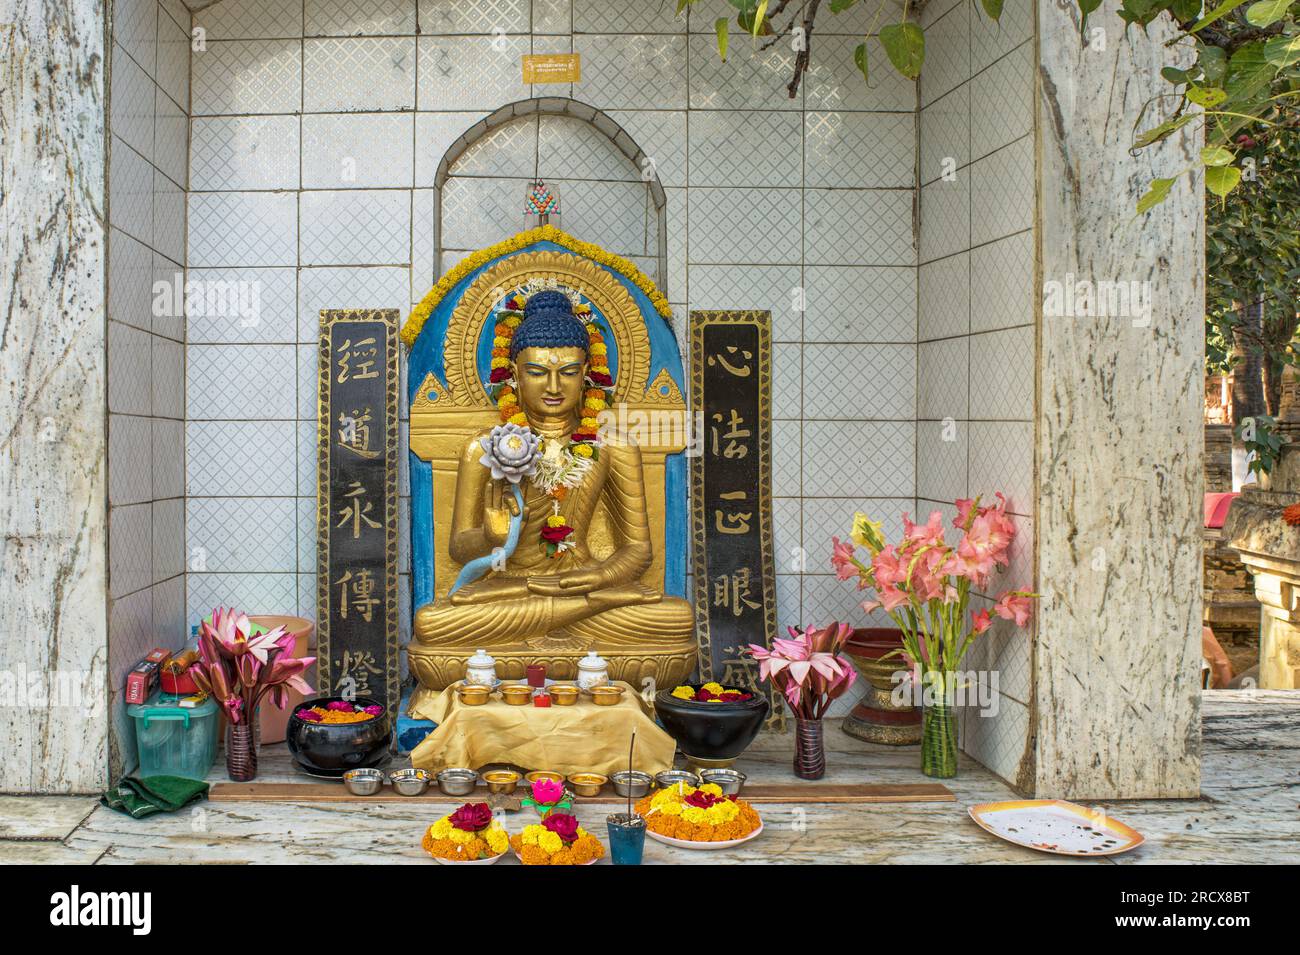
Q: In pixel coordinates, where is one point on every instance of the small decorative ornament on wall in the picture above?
(731, 482)
(357, 504)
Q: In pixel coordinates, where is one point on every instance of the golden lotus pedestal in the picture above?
(436, 669)
(878, 718)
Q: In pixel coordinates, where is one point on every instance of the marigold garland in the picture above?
(700, 814)
(420, 314)
(583, 445)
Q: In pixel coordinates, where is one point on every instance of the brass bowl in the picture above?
(544, 774)
(517, 694)
(587, 784)
(607, 695)
(563, 694)
(473, 695)
(501, 781)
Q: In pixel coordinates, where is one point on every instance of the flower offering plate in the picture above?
(694, 844)
(1056, 826)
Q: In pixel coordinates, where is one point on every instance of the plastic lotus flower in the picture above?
(807, 668)
(925, 584)
(511, 451)
(239, 664)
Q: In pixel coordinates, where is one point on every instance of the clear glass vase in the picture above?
(939, 740)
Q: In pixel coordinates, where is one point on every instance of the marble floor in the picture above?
(1249, 812)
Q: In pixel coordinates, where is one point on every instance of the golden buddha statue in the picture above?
(547, 598)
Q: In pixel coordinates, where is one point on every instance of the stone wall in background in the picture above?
(53, 737)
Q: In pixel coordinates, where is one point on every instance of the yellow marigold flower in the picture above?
(589, 423)
(513, 321)
(519, 419)
(550, 841)
(499, 342)
(684, 693)
(713, 789)
(500, 362)
(530, 834)
(497, 840)
(712, 687)
(599, 349)
(583, 450)
(555, 520)
(459, 835)
(597, 404)
(440, 828)
(694, 815)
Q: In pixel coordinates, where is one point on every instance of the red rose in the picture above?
(703, 696)
(472, 817)
(553, 535)
(563, 825)
(600, 378)
(498, 375)
(702, 800)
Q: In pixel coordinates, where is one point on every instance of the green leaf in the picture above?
(1213, 62)
(1166, 129)
(1174, 75)
(1216, 156)
(1282, 51)
(992, 7)
(1266, 12)
(1222, 10)
(839, 6)
(860, 61)
(1208, 98)
(1156, 194)
(759, 17)
(720, 28)
(1085, 8)
(1221, 180)
(681, 5)
(904, 44)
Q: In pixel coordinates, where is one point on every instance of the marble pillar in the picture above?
(1116, 692)
(52, 402)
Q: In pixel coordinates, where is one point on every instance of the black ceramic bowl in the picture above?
(711, 732)
(331, 749)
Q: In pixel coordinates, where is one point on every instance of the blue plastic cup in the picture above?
(626, 838)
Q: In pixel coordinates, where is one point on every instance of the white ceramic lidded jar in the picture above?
(481, 669)
(593, 671)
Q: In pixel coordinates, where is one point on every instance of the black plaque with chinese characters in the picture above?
(731, 473)
(356, 498)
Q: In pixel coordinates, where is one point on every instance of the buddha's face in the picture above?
(549, 381)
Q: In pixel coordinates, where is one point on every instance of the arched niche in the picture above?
(478, 185)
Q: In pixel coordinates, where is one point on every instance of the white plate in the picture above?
(1056, 826)
(492, 860)
(692, 844)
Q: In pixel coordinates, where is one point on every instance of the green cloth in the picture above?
(143, 797)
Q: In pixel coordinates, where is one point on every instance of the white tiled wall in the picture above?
(148, 163)
(975, 332)
(316, 145)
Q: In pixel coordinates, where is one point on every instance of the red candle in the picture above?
(537, 675)
(542, 699)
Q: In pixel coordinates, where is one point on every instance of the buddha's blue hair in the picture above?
(549, 322)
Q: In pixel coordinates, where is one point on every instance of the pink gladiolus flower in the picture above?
(964, 507)
(927, 534)
(891, 598)
(842, 559)
(980, 620)
(889, 567)
(1014, 605)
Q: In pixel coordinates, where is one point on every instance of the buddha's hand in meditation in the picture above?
(571, 583)
(499, 505)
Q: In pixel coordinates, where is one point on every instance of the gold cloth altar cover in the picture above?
(583, 737)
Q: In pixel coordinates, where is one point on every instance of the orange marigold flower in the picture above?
(1291, 515)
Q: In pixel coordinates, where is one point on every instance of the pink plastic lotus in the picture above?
(807, 668)
(239, 667)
